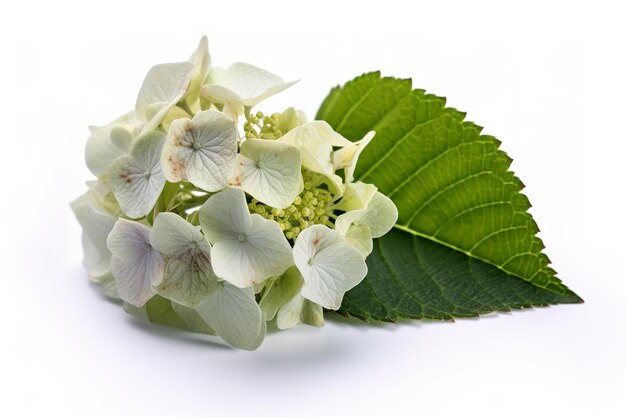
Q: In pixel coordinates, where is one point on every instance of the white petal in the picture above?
(246, 249)
(101, 149)
(225, 215)
(242, 83)
(328, 264)
(202, 150)
(188, 278)
(299, 310)
(348, 156)
(269, 171)
(97, 223)
(137, 179)
(234, 314)
(164, 84)
(135, 264)
(174, 236)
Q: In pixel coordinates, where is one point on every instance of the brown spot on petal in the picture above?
(176, 164)
(125, 176)
(236, 181)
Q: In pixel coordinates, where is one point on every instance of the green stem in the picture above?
(185, 106)
(195, 201)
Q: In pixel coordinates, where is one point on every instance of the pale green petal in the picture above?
(233, 111)
(108, 286)
(372, 209)
(347, 157)
(135, 264)
(299, 310)
(188, 278)
(137, 179)
(260, 337)
(243, 84)
(290, 119)
(315, 140)
(154, 110)
(202, 150)
(380, 216)
(102, 277)
(318, 138)
(135, 311)
(100, 189)
(97, 223)
(344, 221)
(97, 260)
(159, 310)
(122, 138)
(279, 292)
(165, 85)
(234, 314)
(173, 114)
(269, 171)
(246, 249)
(101, 150)
(360, 237)
(357, 195)
(192, 319)
(173, 236)
(314, 135)
(329, 265)
(202, 62)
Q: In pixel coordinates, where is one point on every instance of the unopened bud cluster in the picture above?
(260, 126)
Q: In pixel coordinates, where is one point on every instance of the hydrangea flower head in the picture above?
(228, 225)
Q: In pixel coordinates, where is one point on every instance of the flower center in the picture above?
(242, 237)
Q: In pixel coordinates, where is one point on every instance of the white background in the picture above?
(545, 78)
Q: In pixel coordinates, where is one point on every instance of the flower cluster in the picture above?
(233, 228)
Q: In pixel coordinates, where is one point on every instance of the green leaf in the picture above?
(453, 189)
(413, 277)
